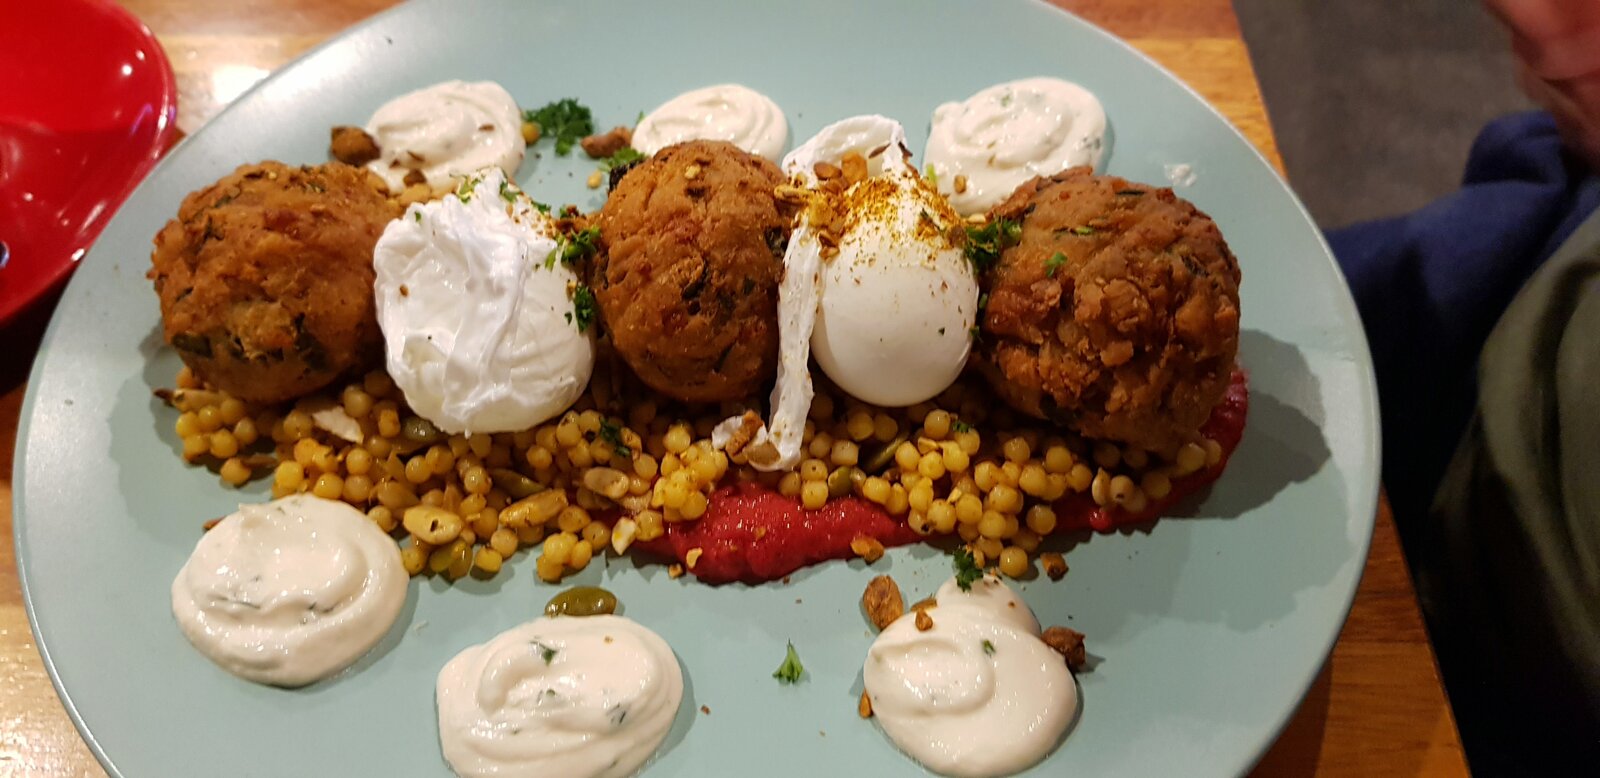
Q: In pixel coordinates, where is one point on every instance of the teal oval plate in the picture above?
(1208, 626)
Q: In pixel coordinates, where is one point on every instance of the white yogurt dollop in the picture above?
(1009, 133)
(478, 323)
(578, 697)
(737, 114)
(291, 591)
(979, 694)
(447, 132)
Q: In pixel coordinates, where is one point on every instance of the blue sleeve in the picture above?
(1430, 286)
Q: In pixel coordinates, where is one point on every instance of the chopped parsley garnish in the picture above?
(612, 433)
(985, 243)
(624, 157)
(574, 248)
(1054, 263)
(967, 569)
(544, 209)
(464, 191)
(932, 175)
(546, 653)
(975, 333)
(1083, 230)
(789, 672)
(417, 215)
(960, 426)
(567, 121)
(584, 307)
(507, 193)
(988, 648)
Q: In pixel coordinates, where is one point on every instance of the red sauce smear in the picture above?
(753, 534)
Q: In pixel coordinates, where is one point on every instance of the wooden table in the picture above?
(1377, 707)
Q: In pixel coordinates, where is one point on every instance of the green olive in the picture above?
(582, 601)
(419, 430)
(880, 457)
(514, 484)
(841, 481)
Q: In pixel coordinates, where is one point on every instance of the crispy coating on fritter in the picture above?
(1115, 314)
(265, 277)
(692, 244)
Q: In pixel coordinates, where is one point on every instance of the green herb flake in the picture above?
(967, 569)
(507, 192)
(584, 307)
(988, 648)
(960, 426)
(612, 433)
(1054, 263)
(574, 248)
(625, 156)
(975, 333)
(984, 244)
(1083, 230)
(566, 121)
(417, 215)
(546, 653)
(789, 672)
(932, 175)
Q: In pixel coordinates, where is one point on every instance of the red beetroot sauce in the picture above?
(752, 534)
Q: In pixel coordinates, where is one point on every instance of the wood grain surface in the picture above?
(1376, 709)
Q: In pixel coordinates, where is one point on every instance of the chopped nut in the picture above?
(675, 571)
(594, 180)
(977, 218)
(867, 548)
(353, 146)
(826, 171)
(1068, 643)
(530, 133)
(706, 709)
(206, 527)
(749, 425)
(883, 602)
(926, 603)
(924, 621)
(855, 168)
(692, 171)
(865, 708)
(1054, 565)
(693, 556)
(961, 184)
(602, 145)
(414, 177)
(789, 194)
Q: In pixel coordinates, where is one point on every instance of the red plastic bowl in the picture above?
(88, 108)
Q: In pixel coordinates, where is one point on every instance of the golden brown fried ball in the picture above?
(265, 277)
(1116, 313)
(686, 278)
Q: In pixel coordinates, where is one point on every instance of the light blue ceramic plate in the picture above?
(1209, 626)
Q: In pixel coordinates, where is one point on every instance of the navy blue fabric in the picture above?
(1431, 285)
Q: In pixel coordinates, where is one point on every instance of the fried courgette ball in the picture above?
(265, 278)
(686, 277)
(1115, 312)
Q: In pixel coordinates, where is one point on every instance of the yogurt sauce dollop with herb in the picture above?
(737, 114)
(977, 694)
(291, 591)
(446, 132)
(1006, 134)
(578, 697)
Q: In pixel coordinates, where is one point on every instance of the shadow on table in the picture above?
(21, 338)
(1299, 746)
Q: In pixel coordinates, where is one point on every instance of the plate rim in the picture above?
(1368, 498)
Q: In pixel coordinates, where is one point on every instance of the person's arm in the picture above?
(1557, 46)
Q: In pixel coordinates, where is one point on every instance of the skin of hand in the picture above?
(1557, 47)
